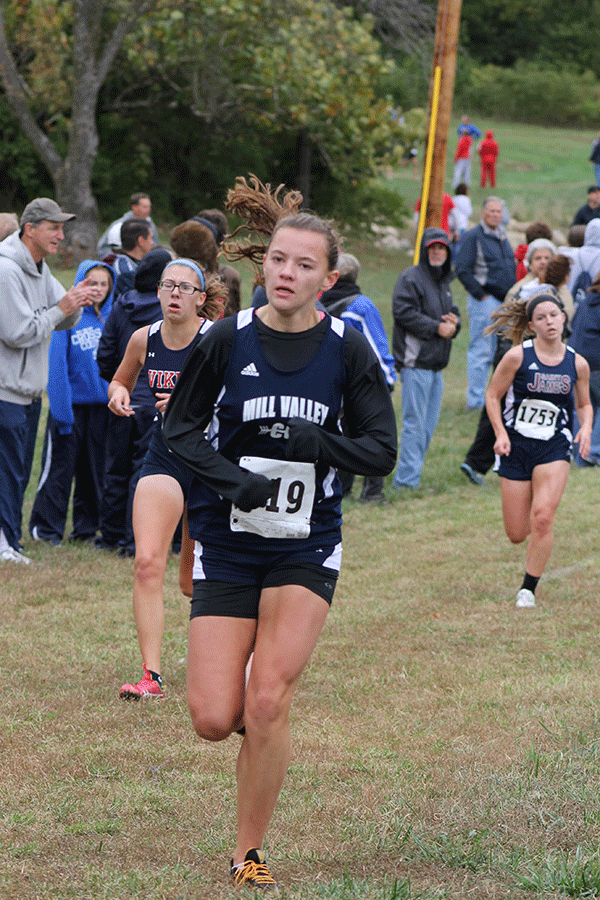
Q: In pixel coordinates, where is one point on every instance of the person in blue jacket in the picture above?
(346, 301)
(74, 442)
(585, 340)
(467, 127)
(486, 268)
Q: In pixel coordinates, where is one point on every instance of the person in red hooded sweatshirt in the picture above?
(462, 160)
(488, 151)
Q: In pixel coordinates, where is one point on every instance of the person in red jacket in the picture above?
(462, 161)
(488, 151)
(447, 205)
(532, 232)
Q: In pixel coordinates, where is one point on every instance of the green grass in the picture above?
(445, 746)
(542, 173)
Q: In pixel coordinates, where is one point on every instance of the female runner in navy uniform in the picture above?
(270, 384)
(161, 350)
(540, 377)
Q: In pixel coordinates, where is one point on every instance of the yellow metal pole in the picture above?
(435, 99)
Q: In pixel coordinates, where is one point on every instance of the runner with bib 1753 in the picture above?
(541, 378)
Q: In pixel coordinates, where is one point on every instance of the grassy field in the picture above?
(444, 743)
(542, 173)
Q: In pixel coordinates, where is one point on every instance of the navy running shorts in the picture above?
(160, 461)
(527, 453)
(230, 584)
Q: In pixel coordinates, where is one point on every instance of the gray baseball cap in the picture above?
(43, 209)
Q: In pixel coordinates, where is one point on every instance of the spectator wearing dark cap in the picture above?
(591, 209)
(425, 322)
(32, 305)
(127, 437)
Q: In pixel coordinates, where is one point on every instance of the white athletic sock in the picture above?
(4, 545)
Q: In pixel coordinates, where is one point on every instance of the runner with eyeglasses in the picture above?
(189, 306)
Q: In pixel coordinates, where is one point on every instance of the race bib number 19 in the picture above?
(287, 513)
(537, 419)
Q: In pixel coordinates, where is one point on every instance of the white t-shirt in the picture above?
(462, 212)
(113, 235)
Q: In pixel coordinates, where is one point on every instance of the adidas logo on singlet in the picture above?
(250, 370)
(534, 365)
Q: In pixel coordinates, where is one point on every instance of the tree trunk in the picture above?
(92, 59)
(304, 157)
(73, 181)
(74, 195)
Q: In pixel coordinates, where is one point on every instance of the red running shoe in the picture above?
(147, 687)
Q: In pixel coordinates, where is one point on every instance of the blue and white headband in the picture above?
(191, 265)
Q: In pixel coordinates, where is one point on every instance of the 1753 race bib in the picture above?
(536, 419)
(287, 513)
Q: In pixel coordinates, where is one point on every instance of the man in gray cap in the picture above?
(32, 304)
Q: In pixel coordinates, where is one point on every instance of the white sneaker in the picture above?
(10, 555)
(525, 599)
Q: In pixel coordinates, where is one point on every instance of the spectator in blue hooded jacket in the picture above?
(127, 439)
(74, 443)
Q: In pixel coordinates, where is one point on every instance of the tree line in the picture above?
(102, 97)
(182, 95)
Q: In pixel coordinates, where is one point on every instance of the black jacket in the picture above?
(585, 330)
(585, 214)
(418, 304)
(131, 311)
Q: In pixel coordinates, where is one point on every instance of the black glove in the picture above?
(303, 442)
(256, 491)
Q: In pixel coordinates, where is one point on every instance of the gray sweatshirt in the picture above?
(29, 313)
